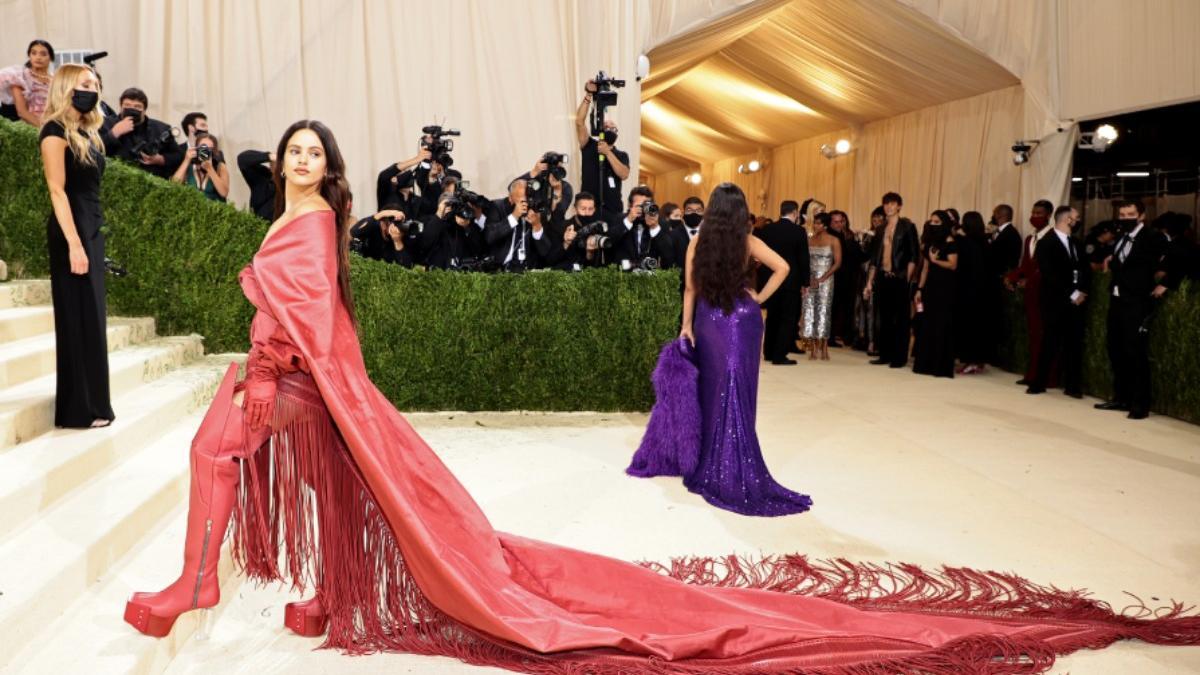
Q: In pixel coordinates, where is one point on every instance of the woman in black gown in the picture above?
(934, 351)
(73, 160)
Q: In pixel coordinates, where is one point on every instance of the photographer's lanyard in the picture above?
(518, 246)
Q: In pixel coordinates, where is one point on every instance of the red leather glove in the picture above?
(259, 404)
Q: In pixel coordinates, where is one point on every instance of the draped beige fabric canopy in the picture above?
(785, 70)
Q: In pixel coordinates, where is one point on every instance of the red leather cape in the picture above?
(495, 598)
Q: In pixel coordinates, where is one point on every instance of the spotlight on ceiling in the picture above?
(692, 178)
(1098, 140)
(753, 166)
(842, 146)
(1021, 151)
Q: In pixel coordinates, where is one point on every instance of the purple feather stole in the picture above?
(671, 444)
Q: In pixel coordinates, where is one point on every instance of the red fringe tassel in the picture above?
(304, 492)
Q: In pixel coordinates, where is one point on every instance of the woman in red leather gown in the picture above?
(315, 461)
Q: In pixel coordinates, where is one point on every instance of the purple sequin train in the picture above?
(702, 426)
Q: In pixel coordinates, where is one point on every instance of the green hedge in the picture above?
(445, 341)
(432, 341)
(1174, 348)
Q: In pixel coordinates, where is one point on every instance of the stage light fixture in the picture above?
(1098, 140)
(842, 146)
(753, 166)
(828, 151)
(1022, 149)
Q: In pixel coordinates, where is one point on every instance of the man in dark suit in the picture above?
(1065, 277)
(517, 241)
(647, 238)
(1003, 255)
(1027, 276)
(1134, 265)
(787, 238)
(681, 237)
(893, 263)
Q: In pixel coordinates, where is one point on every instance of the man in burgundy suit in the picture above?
(1028, 278)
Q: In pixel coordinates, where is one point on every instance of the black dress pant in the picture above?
(783, 315)
(1129, 352)
(1062, 343)
(80, 335)
(891, 295)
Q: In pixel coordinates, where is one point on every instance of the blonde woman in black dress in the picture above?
(73, 161)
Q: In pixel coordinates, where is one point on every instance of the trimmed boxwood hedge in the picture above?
(432, 340)
(447, 341)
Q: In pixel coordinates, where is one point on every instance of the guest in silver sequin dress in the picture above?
(825, 254)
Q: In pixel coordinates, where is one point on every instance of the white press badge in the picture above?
(612, 182)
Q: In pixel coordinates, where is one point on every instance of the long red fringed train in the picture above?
(302, 495)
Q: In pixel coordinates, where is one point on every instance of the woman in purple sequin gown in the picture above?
(702, 426)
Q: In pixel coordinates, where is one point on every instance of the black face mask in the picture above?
(692, 220)
(610, 137)
(85, 101)
(1126, 225)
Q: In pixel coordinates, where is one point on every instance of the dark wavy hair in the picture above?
(721, 267)
(335, 189)
(38, 43)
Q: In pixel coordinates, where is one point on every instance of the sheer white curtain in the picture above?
(507, 74)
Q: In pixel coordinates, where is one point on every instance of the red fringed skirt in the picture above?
(305, 514)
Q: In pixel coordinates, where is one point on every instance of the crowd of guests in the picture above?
(935, 295)
(894, 291)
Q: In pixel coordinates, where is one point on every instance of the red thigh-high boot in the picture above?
(217, 447)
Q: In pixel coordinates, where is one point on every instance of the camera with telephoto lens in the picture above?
(597, 229)
(404, 224)
(439, 146)
(646, 265)
(153, 145)
(464, 202)
(203, 154)
(605, 96)
(539, 192)
(649, 208)
(484, 264)
(555, 165)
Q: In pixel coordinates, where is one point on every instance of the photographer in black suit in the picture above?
(787, 238)
(585, 241)
(517, 240)
(255, 166)
(1135, 264)
(140, 140)
(633, 240)
(1065, 280)
(646, 244)
(370, 237)
(397, 182)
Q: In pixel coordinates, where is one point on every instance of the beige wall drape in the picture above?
(509, 75)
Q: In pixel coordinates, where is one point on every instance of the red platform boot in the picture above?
(307, 617)
(218, 445)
